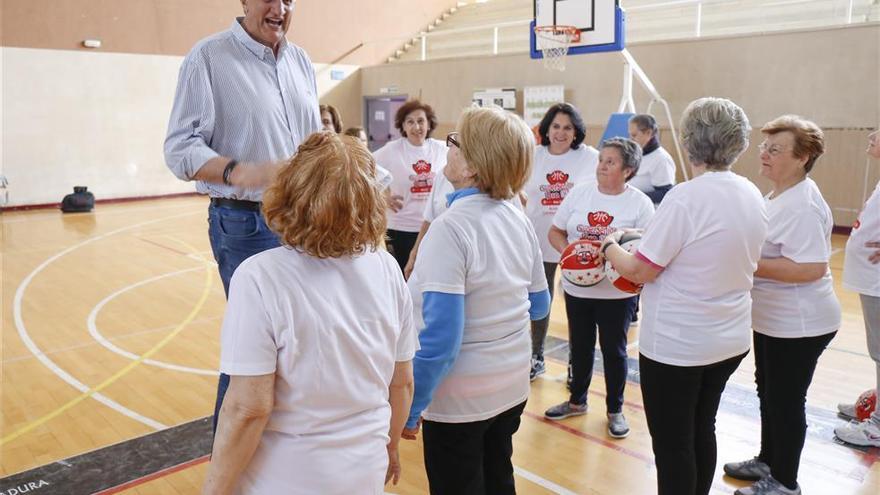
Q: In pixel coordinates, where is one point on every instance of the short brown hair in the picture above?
(325, 201)
(410, 107)
(809, 140)
(499, 147)
(334, 115)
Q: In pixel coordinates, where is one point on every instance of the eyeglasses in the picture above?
(771, 150)
(452, 140)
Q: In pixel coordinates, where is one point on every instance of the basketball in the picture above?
(582, 264)
(630, 242)
(866, 404)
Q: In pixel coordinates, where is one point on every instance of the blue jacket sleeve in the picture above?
(540, 304)
(659, 191)
(440, 343)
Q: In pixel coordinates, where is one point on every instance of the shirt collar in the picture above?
(461, 193)
(257, 48)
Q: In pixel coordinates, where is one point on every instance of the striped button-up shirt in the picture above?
(236, 99)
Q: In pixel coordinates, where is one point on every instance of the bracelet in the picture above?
(228, 171)
(605, 247)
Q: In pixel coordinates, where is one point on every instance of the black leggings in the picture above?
(680, 406)
(401, 244)
(472, 458)
(539, 327)
(783, 371)
(612, 317)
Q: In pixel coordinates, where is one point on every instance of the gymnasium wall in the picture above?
(77, 116)
(831, 76)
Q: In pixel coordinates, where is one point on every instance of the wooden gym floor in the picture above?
(110, 327)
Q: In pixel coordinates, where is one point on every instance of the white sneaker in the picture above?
(864, 434)
(847, 410)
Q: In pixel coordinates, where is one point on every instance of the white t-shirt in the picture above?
(553, 176)
(383, 176)
(413, 170)
(707, 234)
(859, 274)
(487, 250)
(656, 169)
(800, 230)
(437, 200)
(331, 331)
(586, 213)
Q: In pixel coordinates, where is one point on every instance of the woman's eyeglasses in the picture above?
(452, 140)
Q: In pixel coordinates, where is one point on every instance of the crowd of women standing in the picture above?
(334, 357)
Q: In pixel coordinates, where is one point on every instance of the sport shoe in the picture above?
(538, 367)
(565, 410)
(865, 434)
(753, 469)
(847, 410)
(768, 486)
(617, 425)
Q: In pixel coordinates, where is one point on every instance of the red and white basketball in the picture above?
(582, 264)
(629, 242)
(866, 404)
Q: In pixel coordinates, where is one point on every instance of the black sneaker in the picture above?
(538, 367)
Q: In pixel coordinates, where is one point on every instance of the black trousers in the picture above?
(401, 243)
(539, 327)
(472, 458)
(783, 372)
(680, 406)
(612, 318)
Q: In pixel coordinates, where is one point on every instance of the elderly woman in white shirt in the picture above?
(657, 172)
(861, 274)
(697, 259)
(795, 312)
(477, 282)
(318, 338)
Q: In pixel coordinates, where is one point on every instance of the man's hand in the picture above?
(255, 176)
(393, 473)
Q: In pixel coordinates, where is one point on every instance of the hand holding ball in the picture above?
(629, 241)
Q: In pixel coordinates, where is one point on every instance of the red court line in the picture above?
(163, 246)
(157, 474)
(586, 436)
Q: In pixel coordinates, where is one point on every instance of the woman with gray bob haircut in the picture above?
(697, 260)
(630, 153)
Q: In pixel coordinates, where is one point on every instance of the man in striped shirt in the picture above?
(246, 98)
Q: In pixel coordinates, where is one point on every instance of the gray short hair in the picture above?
(645, 122)
(715, 131)
(630, 152)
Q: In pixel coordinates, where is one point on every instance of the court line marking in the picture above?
(543, 483)
(96, 334)
(54, 368)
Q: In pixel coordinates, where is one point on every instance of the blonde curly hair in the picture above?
(326, 201)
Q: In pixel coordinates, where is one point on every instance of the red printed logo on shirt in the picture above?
(423, 179)
(598, 226)
(556, 188)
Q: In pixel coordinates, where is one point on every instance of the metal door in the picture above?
(380, 111)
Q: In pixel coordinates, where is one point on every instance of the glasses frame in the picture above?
(452, 141)
(772, 150)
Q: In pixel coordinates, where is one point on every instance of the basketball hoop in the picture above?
(554, 42)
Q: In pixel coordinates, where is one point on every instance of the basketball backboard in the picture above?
(600, 22)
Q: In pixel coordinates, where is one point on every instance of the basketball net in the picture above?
(554, 42)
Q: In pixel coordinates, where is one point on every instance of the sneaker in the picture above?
(617, 425)
(565, 410)
(538, 367)
(753, 469)
(846, 410)
(768, 486)
(864, 434)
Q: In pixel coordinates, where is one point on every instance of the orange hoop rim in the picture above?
(573, 32)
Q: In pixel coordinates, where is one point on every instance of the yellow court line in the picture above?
(132, 365)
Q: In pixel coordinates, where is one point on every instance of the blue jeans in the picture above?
(235, 236)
